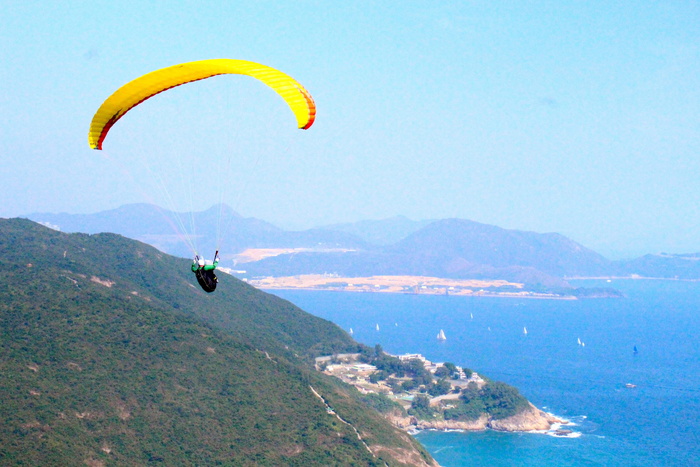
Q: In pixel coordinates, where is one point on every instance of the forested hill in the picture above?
(110, 354)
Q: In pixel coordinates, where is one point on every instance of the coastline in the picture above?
(413, 285)
(532, 420)
(489, 295)
(631, 277)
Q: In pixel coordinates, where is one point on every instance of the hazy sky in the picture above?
(577, 117)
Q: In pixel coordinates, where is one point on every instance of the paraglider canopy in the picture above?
(134, 92)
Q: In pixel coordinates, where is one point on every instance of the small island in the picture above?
(416, 394)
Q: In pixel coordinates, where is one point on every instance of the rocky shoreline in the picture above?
(530, 420)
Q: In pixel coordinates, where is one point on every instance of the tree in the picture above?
(394, 384)
(416, 366)
(420, 402)
(470, 392)
(420, 407)
(439, 388)
(408, 385)
(442, 372)
(502, 400)
(365, 354)
(471, 410)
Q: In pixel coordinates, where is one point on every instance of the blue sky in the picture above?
(574, 117)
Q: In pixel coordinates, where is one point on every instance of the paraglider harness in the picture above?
(205, 272)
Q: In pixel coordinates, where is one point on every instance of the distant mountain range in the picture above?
(380, 232)
(163, 229)
(450, 248)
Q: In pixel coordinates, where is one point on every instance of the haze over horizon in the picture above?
(578, 119)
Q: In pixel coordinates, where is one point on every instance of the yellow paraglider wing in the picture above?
(148, 85)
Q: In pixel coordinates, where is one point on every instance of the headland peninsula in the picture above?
(414, 394)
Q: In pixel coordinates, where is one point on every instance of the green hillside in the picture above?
(111, 355)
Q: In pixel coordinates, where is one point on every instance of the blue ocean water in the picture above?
(655, 423)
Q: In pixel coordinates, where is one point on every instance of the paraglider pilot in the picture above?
(204, 271)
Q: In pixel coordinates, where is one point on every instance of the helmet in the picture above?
(201, 261)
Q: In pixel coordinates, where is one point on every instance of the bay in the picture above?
(654, 423)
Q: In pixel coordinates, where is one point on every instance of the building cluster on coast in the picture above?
(349, 369)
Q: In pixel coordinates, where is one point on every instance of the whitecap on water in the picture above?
(564, 434)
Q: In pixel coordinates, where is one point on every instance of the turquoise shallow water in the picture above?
(655, 423)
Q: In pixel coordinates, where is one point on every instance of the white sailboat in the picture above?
(377, 326)
(441, 335)
(524, 330)
(579, 341)
(351, 333)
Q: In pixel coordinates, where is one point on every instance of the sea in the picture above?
(576, 361)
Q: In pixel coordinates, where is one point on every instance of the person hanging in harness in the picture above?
(204, 271)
